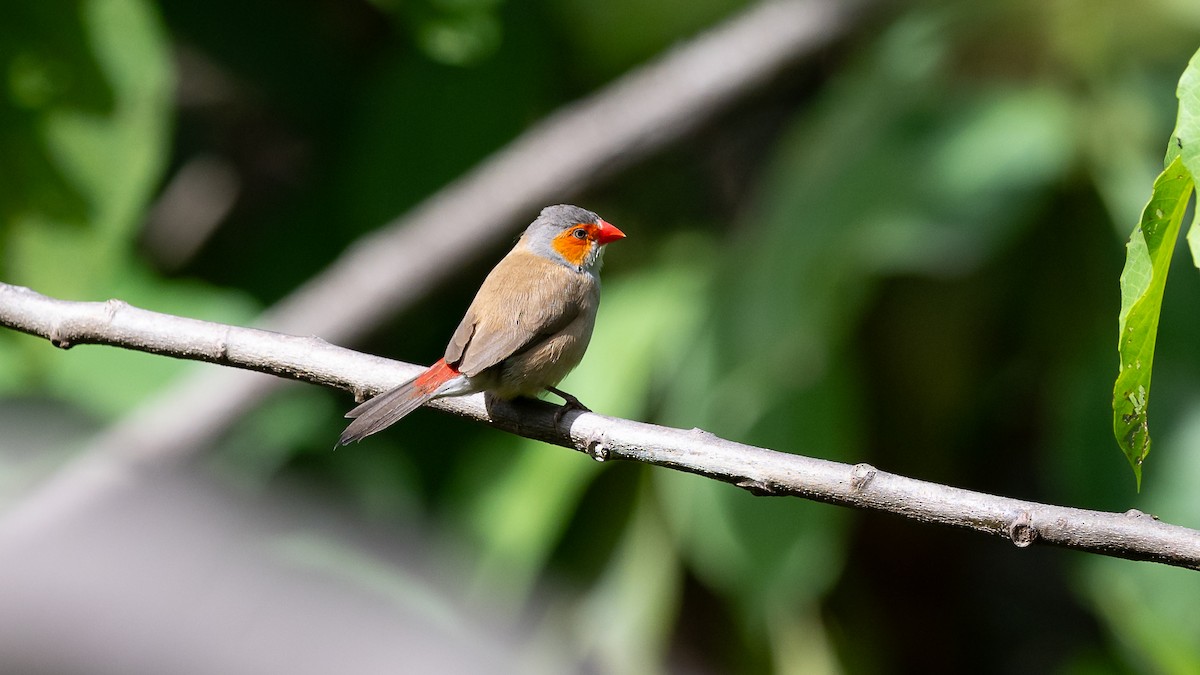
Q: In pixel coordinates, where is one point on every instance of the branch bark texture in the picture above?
(1131, 535)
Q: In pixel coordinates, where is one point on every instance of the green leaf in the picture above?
(1148, 258)
(1144, 278)
(1185, 140)
(1193, 238)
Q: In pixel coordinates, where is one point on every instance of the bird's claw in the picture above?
(572, 403)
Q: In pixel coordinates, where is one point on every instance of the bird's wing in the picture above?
(523, 300)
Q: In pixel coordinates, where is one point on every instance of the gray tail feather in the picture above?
(383, 411)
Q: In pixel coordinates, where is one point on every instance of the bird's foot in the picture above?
(572, 403)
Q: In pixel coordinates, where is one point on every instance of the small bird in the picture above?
(527, 327)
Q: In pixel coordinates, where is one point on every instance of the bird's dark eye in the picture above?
(579, 233)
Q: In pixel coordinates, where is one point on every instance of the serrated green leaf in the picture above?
(1147, 261)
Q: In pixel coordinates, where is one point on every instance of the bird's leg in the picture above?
(572, 404)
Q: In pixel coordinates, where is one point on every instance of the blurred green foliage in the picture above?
(86, 121)
(904, 252)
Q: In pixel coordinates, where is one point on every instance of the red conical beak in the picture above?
(607, 233)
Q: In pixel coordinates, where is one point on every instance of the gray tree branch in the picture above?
(1132, 535)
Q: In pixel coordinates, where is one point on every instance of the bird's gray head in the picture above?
(571, 236)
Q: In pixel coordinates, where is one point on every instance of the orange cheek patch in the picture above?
(572, 249)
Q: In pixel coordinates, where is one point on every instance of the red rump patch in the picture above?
(438, 374)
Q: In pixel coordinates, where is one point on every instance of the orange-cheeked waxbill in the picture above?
(527, 327)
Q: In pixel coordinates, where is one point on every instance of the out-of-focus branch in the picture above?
(390, 269)
(1132, 535)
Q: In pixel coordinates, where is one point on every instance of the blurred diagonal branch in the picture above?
(1132, 535)
(384, 272)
